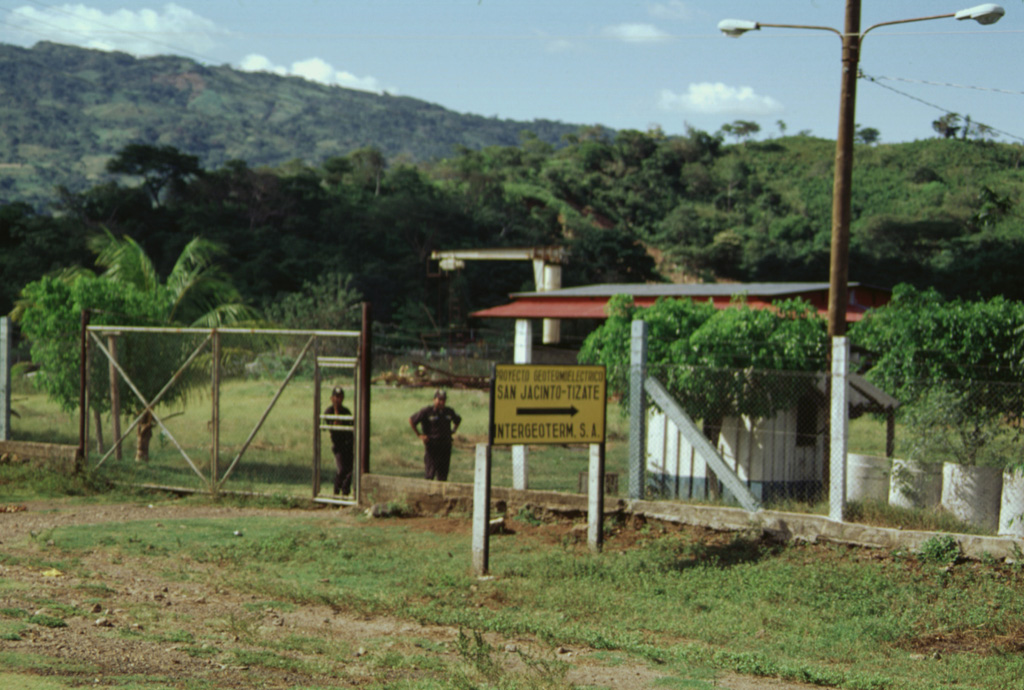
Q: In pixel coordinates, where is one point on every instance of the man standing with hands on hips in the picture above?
(437, 423)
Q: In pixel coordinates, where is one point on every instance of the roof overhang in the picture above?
(590, 302)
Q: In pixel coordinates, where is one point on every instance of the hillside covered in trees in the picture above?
(66, 111)
(630, 206)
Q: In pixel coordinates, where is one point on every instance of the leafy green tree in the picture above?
(328, 303)
(129, 292)
(33, 244)
(201, 294)
(955, 365)
(716, 363)
(368, 165)
(947, 126)
(867, 135)
(741, 130)
(605, 256)
(50, 311)
(920, 337)
(162, 168)
(959, 421)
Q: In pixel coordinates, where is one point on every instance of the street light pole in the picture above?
(842, 186)
(852, 36)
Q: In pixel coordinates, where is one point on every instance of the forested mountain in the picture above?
(67, 110)
(630, 206)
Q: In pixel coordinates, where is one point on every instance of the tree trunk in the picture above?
(144, 434)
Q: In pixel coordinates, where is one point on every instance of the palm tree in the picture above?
(203, 296)
(199, 293)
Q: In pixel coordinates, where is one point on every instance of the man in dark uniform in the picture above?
(342, 442)
(437, 423)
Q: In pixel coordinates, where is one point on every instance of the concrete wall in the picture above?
(442, 498)
(50, 455)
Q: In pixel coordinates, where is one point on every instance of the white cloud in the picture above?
(172, 29)
(674, 9)
(636, 33)
(258, 63)
(314, 69)
(718, 99)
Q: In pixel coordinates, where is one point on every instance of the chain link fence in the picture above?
(946, 445)
(954, 446)
(769, 427)
(959, 446)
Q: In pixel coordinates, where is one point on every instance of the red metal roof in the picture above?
(589, 302)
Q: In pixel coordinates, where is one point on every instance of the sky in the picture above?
(618, 63)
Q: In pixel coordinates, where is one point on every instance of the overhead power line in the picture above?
(877, 81)
(953, 86)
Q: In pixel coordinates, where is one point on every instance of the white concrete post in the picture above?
(839, 427)
(552, 281)
(482, 509)
(5, 379)
(595, 498)
(523, 354)
(637, 407)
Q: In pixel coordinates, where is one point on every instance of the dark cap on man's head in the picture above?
(440, 394)
(338, 391)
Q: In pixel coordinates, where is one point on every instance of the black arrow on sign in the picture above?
(571, 411)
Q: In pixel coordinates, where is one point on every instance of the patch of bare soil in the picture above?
(142, 623)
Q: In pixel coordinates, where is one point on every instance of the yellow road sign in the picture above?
(547, 404)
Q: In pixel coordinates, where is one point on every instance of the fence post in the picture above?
(5, 379)
(365, 373)
(215, 413)
(115, 395)
(637, 407)
(482, 509)
(522, 354)
(83, 383)
(595, 498)
(840, 419)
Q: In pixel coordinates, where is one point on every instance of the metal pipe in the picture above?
(83, 383)
(115, 396)
(215, 412)
(365, 372)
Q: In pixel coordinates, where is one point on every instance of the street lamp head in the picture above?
(734, 28)
(989, 13)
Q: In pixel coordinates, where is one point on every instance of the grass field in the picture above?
(681, 605)
(685, 605)
(279, 459)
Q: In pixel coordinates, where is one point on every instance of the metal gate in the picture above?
(256, 437)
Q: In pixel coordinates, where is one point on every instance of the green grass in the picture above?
(826, 615)
(924, 519)
(279, 460)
